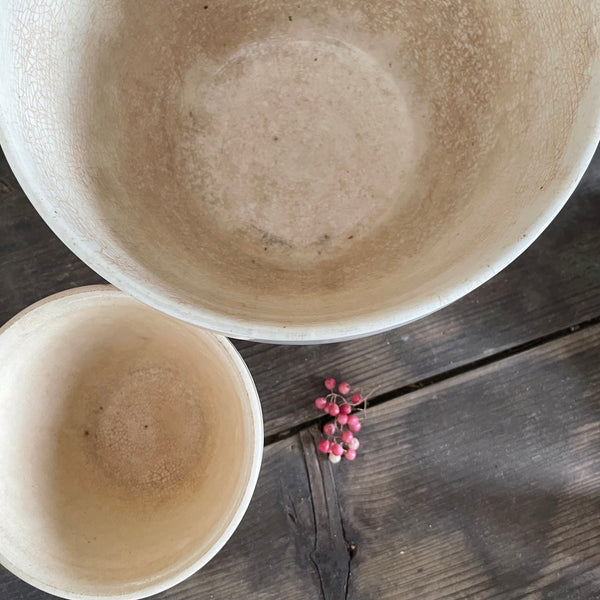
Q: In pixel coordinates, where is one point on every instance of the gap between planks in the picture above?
(445, 375)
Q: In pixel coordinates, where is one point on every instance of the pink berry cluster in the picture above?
(339, 434)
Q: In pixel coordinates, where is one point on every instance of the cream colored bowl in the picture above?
(130, 444)
(299, 171)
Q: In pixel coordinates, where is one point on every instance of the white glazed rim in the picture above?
(102, 291)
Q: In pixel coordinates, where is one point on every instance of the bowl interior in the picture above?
(129, 443)
(331, 166)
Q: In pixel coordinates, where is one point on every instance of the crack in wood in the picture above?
(445, 375)
(332, 554)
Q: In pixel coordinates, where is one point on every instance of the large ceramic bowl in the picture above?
(299, 171)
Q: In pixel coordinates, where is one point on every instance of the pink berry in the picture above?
(345, 409)
(354, 423)
(347, 436)
(350, 454)
(337, 449)
(353, 419)
(334, 409)
(344, 388)
(329, 429)
(334, 459)
(353, 444)
(325, 446)
(320, 403)
(330, 384)
(342, 418)
(356, 398)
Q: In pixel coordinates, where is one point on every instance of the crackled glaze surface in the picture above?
(303, 171)
(131, 443)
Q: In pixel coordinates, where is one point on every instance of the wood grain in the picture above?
(332, 553)
(483, 486)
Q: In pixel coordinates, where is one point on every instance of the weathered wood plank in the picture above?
(483, 486)
(332, 553)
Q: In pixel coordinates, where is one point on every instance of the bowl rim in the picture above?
(99, 292)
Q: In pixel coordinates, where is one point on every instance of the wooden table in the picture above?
(479, 470)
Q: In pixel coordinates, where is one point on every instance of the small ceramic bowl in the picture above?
(301, 171)
(130, 446)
